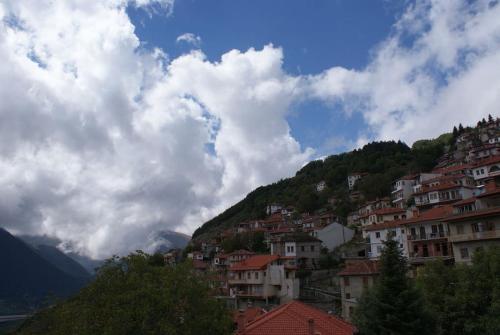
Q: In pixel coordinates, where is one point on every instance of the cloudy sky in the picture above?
(121, 118)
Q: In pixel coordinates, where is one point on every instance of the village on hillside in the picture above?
(327, 261)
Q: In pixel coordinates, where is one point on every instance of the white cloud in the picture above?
(102, 143)
(438, 68)
(189, 38)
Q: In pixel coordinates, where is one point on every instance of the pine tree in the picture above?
(455, 132)
(490, 118)
(460, 128)
(394, 306)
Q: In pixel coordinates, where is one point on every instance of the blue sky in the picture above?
(314, 35)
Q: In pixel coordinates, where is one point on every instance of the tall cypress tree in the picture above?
(394, 306)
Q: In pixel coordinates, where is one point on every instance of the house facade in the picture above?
(357, 276)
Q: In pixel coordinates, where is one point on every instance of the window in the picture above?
(464, 253)
(379, 249)
(312, 247)
(286, 274)
(377, 234)
(348, 295)
(256, 275)
(249, 275)
(346, 281)
(302, 248)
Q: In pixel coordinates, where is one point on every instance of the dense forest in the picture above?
(383, 161)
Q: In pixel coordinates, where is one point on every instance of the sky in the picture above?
(122, 118)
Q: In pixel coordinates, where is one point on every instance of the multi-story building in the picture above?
(473, 230)
(487, 168)
(333, 235)
(302, 248)
(375, 235)
(263, 278)
(402, 190)
(427, 236)
(357, 276)
(443, 190)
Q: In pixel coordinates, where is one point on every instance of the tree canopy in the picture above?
(136, 294)
(465, 299)
(394, 306)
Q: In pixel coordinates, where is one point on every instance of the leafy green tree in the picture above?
(394, 306)
(465, 298)
(136, 294)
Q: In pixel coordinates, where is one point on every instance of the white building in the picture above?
(334, 235)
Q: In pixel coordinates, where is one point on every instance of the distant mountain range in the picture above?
(33, 274)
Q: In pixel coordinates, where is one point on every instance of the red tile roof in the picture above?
(293, 319)
(360, 267)
(453, 168)
(465, 202)
(488, 161)
(256, 262)
(388, 210)
(494, 211)
(384, 225)
(433, 214)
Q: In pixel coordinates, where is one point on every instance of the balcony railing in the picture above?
(430, 236)
(483, 235)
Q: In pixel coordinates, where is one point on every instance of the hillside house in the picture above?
(302, 248)
(238, 256)
(357, 276)
(376, 234)
(473, 230)
(353, 178)
(263, 278)
(427, 236)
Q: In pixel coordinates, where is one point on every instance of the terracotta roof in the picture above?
(452, 168)
(388, 210)
(293, 319)
(256, 262)
(360, 267)
(433, 214)
(488, 161)
(465, 202)
(384, 225)
(494, 211)
(441, 187)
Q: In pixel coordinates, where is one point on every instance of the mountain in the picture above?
(72, 263)
(62, 261)
(166, 239)
(25, 273)
(383, 162)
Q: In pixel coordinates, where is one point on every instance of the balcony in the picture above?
(478, 236)
(431, 236)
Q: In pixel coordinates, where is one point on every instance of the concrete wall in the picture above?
(335, 235)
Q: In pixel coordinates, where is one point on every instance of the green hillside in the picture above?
(383, 161)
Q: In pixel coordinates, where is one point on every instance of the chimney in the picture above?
(241, 322)
(310, 323)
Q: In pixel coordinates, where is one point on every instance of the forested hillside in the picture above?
(383, 161)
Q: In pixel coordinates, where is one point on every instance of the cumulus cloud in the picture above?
(189, 38)
(435, 70)
(104, 143)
